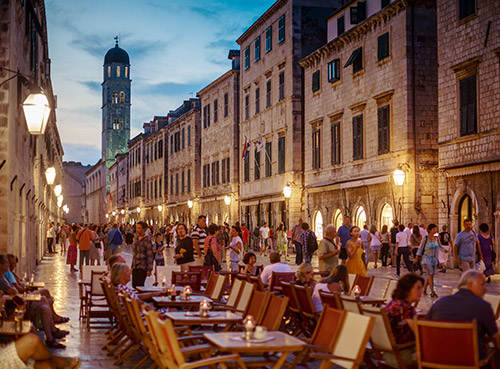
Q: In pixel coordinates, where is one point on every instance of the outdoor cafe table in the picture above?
(371, 300)
(8, 328)
(279, 343)
(143, 289)
(193, 302)
(30, 297)
(214, 318)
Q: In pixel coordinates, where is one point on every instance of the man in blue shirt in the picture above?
(344, 234)
(114, 241)
(466, 244)
(468, 305)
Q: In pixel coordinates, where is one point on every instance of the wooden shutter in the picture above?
(471, 105)
(357, 136)
(383, 129)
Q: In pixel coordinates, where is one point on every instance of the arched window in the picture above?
(109, 71)
(115, 97)
(318, 225)
(122, 97)
(360, 217)
(118, 71)
(465, 211)
(337, 219)
(386, 216)
(126, 72)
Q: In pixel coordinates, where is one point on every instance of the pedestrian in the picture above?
(51, 235)
(95, 245)
(84, 238)
(142, 256)
(158, 247)
(466, 244)
(72, 256)
(113, 242)
(354, 247)
(384, 251)
(328, 250)
(272, 239)
(236, 249)
(364, 236)
(428, 251)
(212, 248)
(344, 233)
(184, 252)
(281, 240)
(296, 233)
(414, 244)
(375, 243)
(309, 242)
(264, 238)
(445, 240)
(394, 231)
(198, 235)
(245, 236)
(402, 249)
(63, 236)
(487, 243)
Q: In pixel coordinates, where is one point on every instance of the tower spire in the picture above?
(116, 40)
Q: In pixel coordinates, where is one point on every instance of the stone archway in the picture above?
(455, 207)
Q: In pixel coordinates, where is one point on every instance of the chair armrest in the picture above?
(330, 356)
(319, 349)
(192, 350)
(402, 346)
(190, 338)
(210, 361)
(489, 355)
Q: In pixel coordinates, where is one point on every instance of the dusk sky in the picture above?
(176, 48)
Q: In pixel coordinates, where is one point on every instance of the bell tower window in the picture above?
(122, 97)
(109, 71)
(118, 71)
(117, 123)
(126, 72)
(115, 97)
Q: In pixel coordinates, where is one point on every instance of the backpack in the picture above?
(117, 238)
(256, 232)
(312, 244)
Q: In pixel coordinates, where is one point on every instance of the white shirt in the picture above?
(264, 231)
(364, 235)
(409, 232)
(233, 256)
(402, 239)
(375, 239)
(265, 276)
(316, 298)
(423, 232)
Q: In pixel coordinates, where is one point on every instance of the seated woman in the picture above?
(401, 313)
(250, 268)
(336, 282)
(120, 276)
(304, 276)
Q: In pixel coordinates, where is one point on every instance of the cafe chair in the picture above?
(382, 285)
(192, 279)
(173, 356)
(259, 285)
(390, 289)
(277, 278)
(324, 336)
(85, 275)
(114, 330)
(218, 289)
(331, 299)
(96, 304)
(350, 345)
(205, 270)
(119, 339)
(86, 271)
(165, 272)
(212, 280)
(384, 347)
(352, 281)
(307, 309)
(494, 301)
(273, 315)
(241, 277)
(364, 283)
(350, 303)
(448, 345)
(257, 305)
(295, 324)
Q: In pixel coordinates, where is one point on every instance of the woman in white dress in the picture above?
(236, 248)
(375, 243)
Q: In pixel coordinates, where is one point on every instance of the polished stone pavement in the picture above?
(86, 345)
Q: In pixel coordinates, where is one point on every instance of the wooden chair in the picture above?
(241, 268)
(307, 309)
(352, 280)
(257, 305)
(350, 344)
(384, 284)
(192, 279)
(350, 303)
(219, 285)
(241, 277)
(173, 356)
(277, 278)
(97, 306)
(205, 271)
(296, 327)
(165, 272)
(86, 271)
(273, 315)
(257, 282)
(331, 299)
(382, 338)
(365, 284)
(212, 280)
(390, 289)
(448, 345)
(244, 297)
(494, 300)
(85, 275)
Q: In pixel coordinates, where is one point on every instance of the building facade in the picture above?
(220, 157)
(469, 113)
(371, 109)
(73, 183)
(97, 199)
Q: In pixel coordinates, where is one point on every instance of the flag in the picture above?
(260, 144)
(244, 154)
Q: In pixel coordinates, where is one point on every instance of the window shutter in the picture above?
(463, 107)
(357, 137)
(383, 129)
(471, 106)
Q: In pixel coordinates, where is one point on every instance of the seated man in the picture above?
(120, 276)
(114, 259)
(41, 308)
(467, 305)
(276, 266)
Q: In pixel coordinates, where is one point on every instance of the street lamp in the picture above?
(122, 211)
(50, 175)
(227, 200)
(287, 191)
(399, 177)
(113, 213)
(58, 190)
(107, 216)
(160, 208)
(138, 209)
(190, 204)
(60, 199)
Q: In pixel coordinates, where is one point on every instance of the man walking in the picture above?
(114, 240)
(84, 237)
(344, 236)
(142, 257)
(466, 244)
(51, 235)
(328, 251)
(264, 238)
(364, 235)
(296, 233)
(198, 235)
(394, 232)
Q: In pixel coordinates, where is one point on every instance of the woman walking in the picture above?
(354, 247)
(487, 243)
(446, 241)
(72, 249)
(236, 248)
(384, 251)
(375, 243)
(95, 245)
(415, 241)
(281, 239)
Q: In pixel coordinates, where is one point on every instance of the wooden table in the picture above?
(282, 343)
(143, 289)
(193, 302)
(371, 300)
(30, 297)
(189, 318)
(9, 328)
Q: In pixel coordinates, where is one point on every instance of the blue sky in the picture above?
(176, 48)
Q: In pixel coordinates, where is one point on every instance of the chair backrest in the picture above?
(257, 281)
(244, 297)
(390, 289)
(241, 268)
(293, 303)
(204, 269)
(352, 280)
(161, 340)
(350, 303)
(365, 284)
(446, 344)
(328, 327)
(218, 289)
(165, 272)
(382, 284)
(212, 280)
(273, 315)
(331, 299)
(304, 298)
(278, 277)
(235, 293)
(257, 305)
(86, 271)
(352, 340)
(241, 277)
(192, 279)
(494, 300)
(95, 284)
(453, 290)
(381, 337)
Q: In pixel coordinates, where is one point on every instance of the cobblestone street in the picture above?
(87, 345)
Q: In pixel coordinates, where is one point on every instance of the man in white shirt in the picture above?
(402, 248)
(409, 230)
(276, 266)
(364, 235)
(264, 238)
(423, 231)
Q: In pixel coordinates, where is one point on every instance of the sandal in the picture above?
(62, 319)
(71, 363)
(54, 345)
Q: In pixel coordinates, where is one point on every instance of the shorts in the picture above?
(375, 248)
(11, 360)
(429, 269)
(343, 253)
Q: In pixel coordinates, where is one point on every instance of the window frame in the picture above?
(334, 68)
(269, 39)
(257, 49)
(247, 57)
(256, 169)
(385, 40)
(281, 29)
(226, 105)
(357, 137)
(384, 124)
(336, 143)
(281, 154)
(257, 100)
(281, 86)
(316, 81)
(316, 148)
(467, 107)
(216, 110)
(269, 157)
(341, 25)
(268, 93)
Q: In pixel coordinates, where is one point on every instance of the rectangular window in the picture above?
(182, 182)
(213, 174)
(256, 172)
(334, 70)
(204, 176)
(204, 117)
(282, 85)
(281, 29)
(246, 168)
(171, 184)
(147, 191)
(189, 180)
(268, 94)
(358, 12)
(468, 106)
(226, 105)
(216, 110)
(156, 150)
(183, 139)
(257, 49)
(228, 172)
(269, 39)
(156, 189)
(340, 25)
(159, 187)
(247, 57)
(356, 59)
(189, 135)
(385, 3)
(247, 107)
(466, 8)
(357, 137)
(223, 179)
(160, 148)
(217, 171)
(315, 81)
(383, 46)
(257, 100)
(208, 115)
(316, 149)
(172, 144)
(176, 183)
(281, 155)
(335, 133)
(269, 153)
(383, 129)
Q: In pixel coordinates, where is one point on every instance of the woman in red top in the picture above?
(211, 242)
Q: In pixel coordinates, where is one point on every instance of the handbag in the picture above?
(210, 259)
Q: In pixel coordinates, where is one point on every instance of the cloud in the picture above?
(87, 154)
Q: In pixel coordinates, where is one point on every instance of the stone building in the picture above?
(370, 109)
(97, 199)
(27, 201)
(118, 175)
(73, 183)
(469, 113)
(220, 157)
(271, 100)
(135, 178)
(183, 134)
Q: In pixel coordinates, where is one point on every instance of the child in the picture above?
(158, 248)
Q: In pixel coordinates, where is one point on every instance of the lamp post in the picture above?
(58, 190)
(227, 201)
(287, 192)
(190, 206)
(399, 180)
(50, 175)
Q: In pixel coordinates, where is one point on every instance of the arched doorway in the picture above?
(465, 211)
(318, 225)
(337, 219)
(360, 217)
(386, 216)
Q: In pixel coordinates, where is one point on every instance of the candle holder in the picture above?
(249, 325)
(204, 308)
(18, 318)
(187, 292)
(356, 291)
